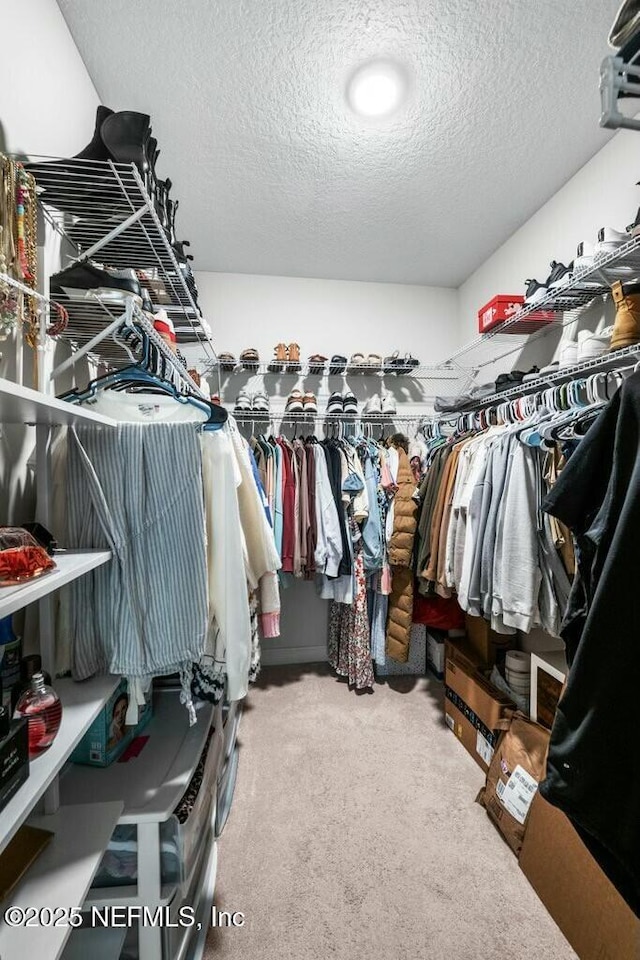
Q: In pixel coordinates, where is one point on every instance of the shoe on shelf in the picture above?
(389, 404)
(535, 292)
(126, 136)
(626, 328)
(260, 402)
(309, 403)
(626, 24)
(335, 404)
(294, 402)
(567, 354)
(610, 240)
(388, 364)
(227, 361)
(293, 355)
(560, 275)
(374, 361)
(372, 406)
(549, 369)
(593, 345)
(244, 403)
(88, 279)
(532, 374)
(250, 357)
(337, 364)
(357, 361)
(316, 363)
(350, 403)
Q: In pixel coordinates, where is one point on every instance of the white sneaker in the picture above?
(244, 402)
(568, 354)
(372, 405)
(610, 240)
(389, 404)
(593, 345)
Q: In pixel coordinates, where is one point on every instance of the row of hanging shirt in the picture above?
(172, 491)
(341, 508)
(482, 534)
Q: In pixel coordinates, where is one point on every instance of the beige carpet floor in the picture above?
(354, 834)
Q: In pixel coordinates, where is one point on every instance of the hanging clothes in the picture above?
(593, 773)
(145, 613)
(405, 508)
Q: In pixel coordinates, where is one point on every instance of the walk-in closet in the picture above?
(319, 480)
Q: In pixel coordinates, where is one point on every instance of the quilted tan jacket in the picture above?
(400, 615)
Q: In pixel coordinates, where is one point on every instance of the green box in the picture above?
(108, 737)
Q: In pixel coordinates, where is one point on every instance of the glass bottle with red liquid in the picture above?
(41, 705)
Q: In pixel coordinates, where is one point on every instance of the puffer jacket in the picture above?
(400, 559)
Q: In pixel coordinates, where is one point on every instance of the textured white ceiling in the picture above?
(276, 176)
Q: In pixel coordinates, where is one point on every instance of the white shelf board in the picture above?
(20, 404)
(70, 565)
(553, 661)
(151, 784)
(81, 703)
(98, 943)
(60, 877)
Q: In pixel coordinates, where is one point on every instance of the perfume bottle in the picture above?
(41, 706)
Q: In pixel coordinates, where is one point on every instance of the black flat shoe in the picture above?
(87, 278)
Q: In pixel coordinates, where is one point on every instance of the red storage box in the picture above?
(501, 308)
(505, 307)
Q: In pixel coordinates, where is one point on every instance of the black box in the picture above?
(14, 760)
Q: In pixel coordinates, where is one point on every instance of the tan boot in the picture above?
(626, 329)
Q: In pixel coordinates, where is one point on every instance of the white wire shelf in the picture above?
(607, 362)
(105, 211)
(620, 78)
(524, 327)
(307, 369)
(20, 404)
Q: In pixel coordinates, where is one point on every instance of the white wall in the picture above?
(47, 106)
(602, 193)
(325, 316)
(47, 99)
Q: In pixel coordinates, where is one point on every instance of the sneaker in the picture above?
(389, 404)
(626, 23)
(593, 345)
(243, 402)
(294, 402)
(560, 275)
(335, 405)
(584, 256)
(260, 403)
(535, 291)
(568, 354)
(309, 403)
(549, 369)
(610, 240)
(372, 406)
(350, 403)
(89, 279)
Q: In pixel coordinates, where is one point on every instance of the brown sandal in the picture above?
(280, 353)
(294, 353)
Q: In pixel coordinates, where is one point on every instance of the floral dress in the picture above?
(349, 646)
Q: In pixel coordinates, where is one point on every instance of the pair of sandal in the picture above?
(251, 403)
(248, 358)
(283, 353)
(373, 360)
(299, 402)
(397, 364)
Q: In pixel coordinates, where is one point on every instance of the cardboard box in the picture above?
(474, 709)
(107, 737)
(581, 899)
(14, 760)
(485, 641)
(460, 651)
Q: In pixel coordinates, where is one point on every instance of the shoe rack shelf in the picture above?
(620, 77)
(105, 212)
(608, 362)
(559, 305)
(306, 369)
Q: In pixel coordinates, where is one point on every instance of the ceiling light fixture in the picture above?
(376, 89)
